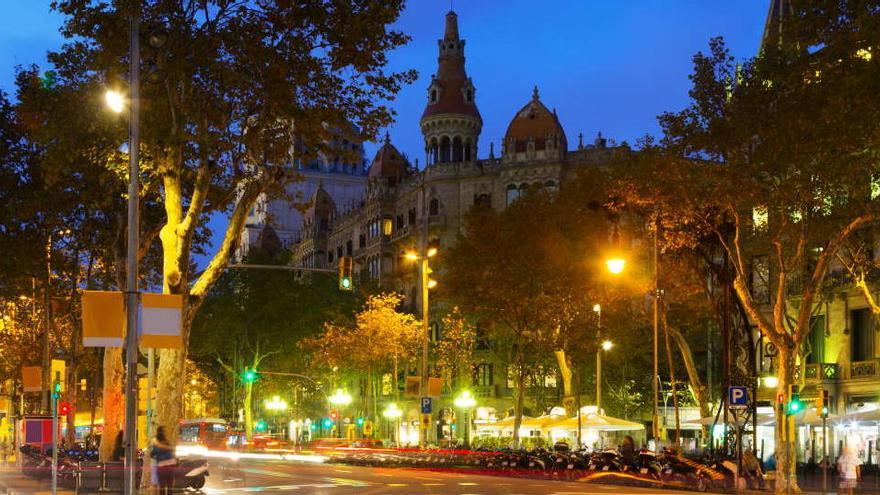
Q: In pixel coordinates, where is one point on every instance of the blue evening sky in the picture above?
(609, 66)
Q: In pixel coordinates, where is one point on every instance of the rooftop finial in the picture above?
(492, 149)
(387, 138)
(580, 140)
(535, 92)
(451, 32)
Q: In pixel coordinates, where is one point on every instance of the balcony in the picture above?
(863, 369)
(822, 371)
(484, 391)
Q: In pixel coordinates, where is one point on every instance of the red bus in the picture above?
(207, 433)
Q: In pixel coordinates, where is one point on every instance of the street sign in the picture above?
(737, 397)
(426, 405)
(426, 421)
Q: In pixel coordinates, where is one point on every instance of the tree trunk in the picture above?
(248, 410)
(786, 433)
(698, 389)
(566, 373)
(672, 381)
(170, 377)
(113, 400)
(518, 404)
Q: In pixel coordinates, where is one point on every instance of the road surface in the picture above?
(249, 476)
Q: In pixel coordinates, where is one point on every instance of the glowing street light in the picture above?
(115, 101)
(771, 381)
(392, 411)
(615, 265)
(466, 401)
(607, 345)
(340, 398)
(275, 404)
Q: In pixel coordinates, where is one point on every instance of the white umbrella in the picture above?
(871, 415)
(763, 419)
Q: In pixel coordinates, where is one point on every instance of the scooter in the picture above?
(191, 473)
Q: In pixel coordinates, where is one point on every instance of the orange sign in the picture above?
(32, 378)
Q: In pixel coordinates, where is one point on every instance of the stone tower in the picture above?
(451, 123)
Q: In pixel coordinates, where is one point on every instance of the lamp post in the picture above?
(393, 413)
(426, 285)
(465, 401)
(276, 405)
(339, 399)
(116, 102)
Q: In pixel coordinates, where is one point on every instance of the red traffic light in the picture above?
(780, 398)
(334, 414)
(63, 408)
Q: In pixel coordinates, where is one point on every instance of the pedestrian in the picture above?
(163, 458)
(628, 451)
(849, 467)
(118, 448)
(752, 469)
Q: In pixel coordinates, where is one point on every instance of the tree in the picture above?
(252, 320)
(380, 338)
(237, 86)
(455, 349)
(522, 274)
(779, 184)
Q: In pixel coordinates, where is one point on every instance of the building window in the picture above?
(399, 221)
(434, 207)
(330, 256)
(362, 241)
(512, 194)
(817, 340)
(412, 216)
(862, 335)
(339, 251)
(349, 249)
(482, 376)
(433, 96)
(387, 226)
(761, 279)
(483, 201)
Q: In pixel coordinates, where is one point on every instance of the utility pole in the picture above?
(655, 418)
(131, 268)
(47, 326)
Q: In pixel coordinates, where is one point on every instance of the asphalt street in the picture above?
(305, 478)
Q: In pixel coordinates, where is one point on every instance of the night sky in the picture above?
(609, 66)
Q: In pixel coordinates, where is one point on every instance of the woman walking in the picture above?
(163, 457)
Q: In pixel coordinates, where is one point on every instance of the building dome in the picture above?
(388, 164)
(534, 123)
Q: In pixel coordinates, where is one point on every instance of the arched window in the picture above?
(433, 96)
(457, 150)
(434, 151)
(445, 150)
(512, 193)
(470, 96)
(467, 151)
(483, 201)
(434, 207)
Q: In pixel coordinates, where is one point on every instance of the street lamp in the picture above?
(339, 399)
(393, 413)
(466, 402)
(615, 265)
(275, 404)
(426, 284)
(115, 101)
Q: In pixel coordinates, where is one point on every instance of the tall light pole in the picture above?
(426, 284)
(465, 401)
(339, 399)
(116, 102)
(655, 380)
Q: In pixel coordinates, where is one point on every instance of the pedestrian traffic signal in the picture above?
(334, 414)
(249, 376)
(794, 400)
(63, 408)
(327, 423)
(260, 426)
(359, 421)
(56, 390)
(345, 268)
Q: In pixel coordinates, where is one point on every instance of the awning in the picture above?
(596, 422)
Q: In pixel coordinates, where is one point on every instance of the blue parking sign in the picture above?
(426, 405)
(737, 396)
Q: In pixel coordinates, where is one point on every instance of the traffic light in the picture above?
(327, 423)
(260, 426)
(359, 421)
(345, 268)
(56, 390)
(249, 376)
(334, 414)
(83, 384)
(63, 408)
(822, 404)
(794, 400)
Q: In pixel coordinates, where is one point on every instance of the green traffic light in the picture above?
(794, 407)
(260, 426)
(250, 376)
(360, 421)
(345, 283)
(328, 422)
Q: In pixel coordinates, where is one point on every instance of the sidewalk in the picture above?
(12, 482)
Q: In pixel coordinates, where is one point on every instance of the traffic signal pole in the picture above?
(54, 402)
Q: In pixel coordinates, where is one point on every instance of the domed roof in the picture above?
(321, 205)
(388, 163)
(534, 121)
